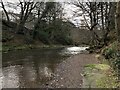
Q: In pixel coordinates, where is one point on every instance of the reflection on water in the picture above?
(47, 72)
(1, 78)
(10, 78)
(73, 50)
(31, 68)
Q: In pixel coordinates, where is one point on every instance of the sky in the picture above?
(67, 0)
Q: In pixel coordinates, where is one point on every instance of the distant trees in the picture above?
(50, 26)
(97, 15)
(107, 18)
(90, 14)
(26, 8)
(46, 19)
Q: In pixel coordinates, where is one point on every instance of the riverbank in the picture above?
(69, 73)
(6, 48)
(83, 71)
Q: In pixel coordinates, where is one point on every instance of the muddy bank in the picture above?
(69, 73)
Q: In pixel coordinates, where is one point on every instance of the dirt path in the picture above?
(68, 73)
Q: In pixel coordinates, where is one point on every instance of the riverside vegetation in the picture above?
(44, 25)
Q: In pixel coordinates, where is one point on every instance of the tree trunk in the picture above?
(6, 13)
(20, 27)
(118, 33)
(112, 15)
(118, 21)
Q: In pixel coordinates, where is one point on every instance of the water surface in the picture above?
(33, 68)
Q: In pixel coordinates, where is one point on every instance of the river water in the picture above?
(33, 68)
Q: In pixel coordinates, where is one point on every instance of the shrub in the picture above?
(63, 39)
(44, 37)
(113, 56)
(117, 63)
(28, 40)
(110, 51)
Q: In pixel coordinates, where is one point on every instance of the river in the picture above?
(33, 68)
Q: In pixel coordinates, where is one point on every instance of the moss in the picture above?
(112, 55)
(6, 48)
(99, 76)
(110, 51)
(109, 81)
(102, 67)
(98, 66)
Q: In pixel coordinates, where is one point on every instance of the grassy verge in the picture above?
(6, 48)
(103, 75)
(99, 76)
(112, 56)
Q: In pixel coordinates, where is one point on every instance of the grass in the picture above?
(99, 76)
(6, 48)
(98, 66)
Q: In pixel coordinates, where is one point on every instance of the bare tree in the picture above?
(101, 16)
(90, 10)
(26, 10)
(5, 11)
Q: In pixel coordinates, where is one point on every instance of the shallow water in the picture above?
(33, 68)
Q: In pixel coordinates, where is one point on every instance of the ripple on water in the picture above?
(73, 50)
(10, 77)
(34, 68)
